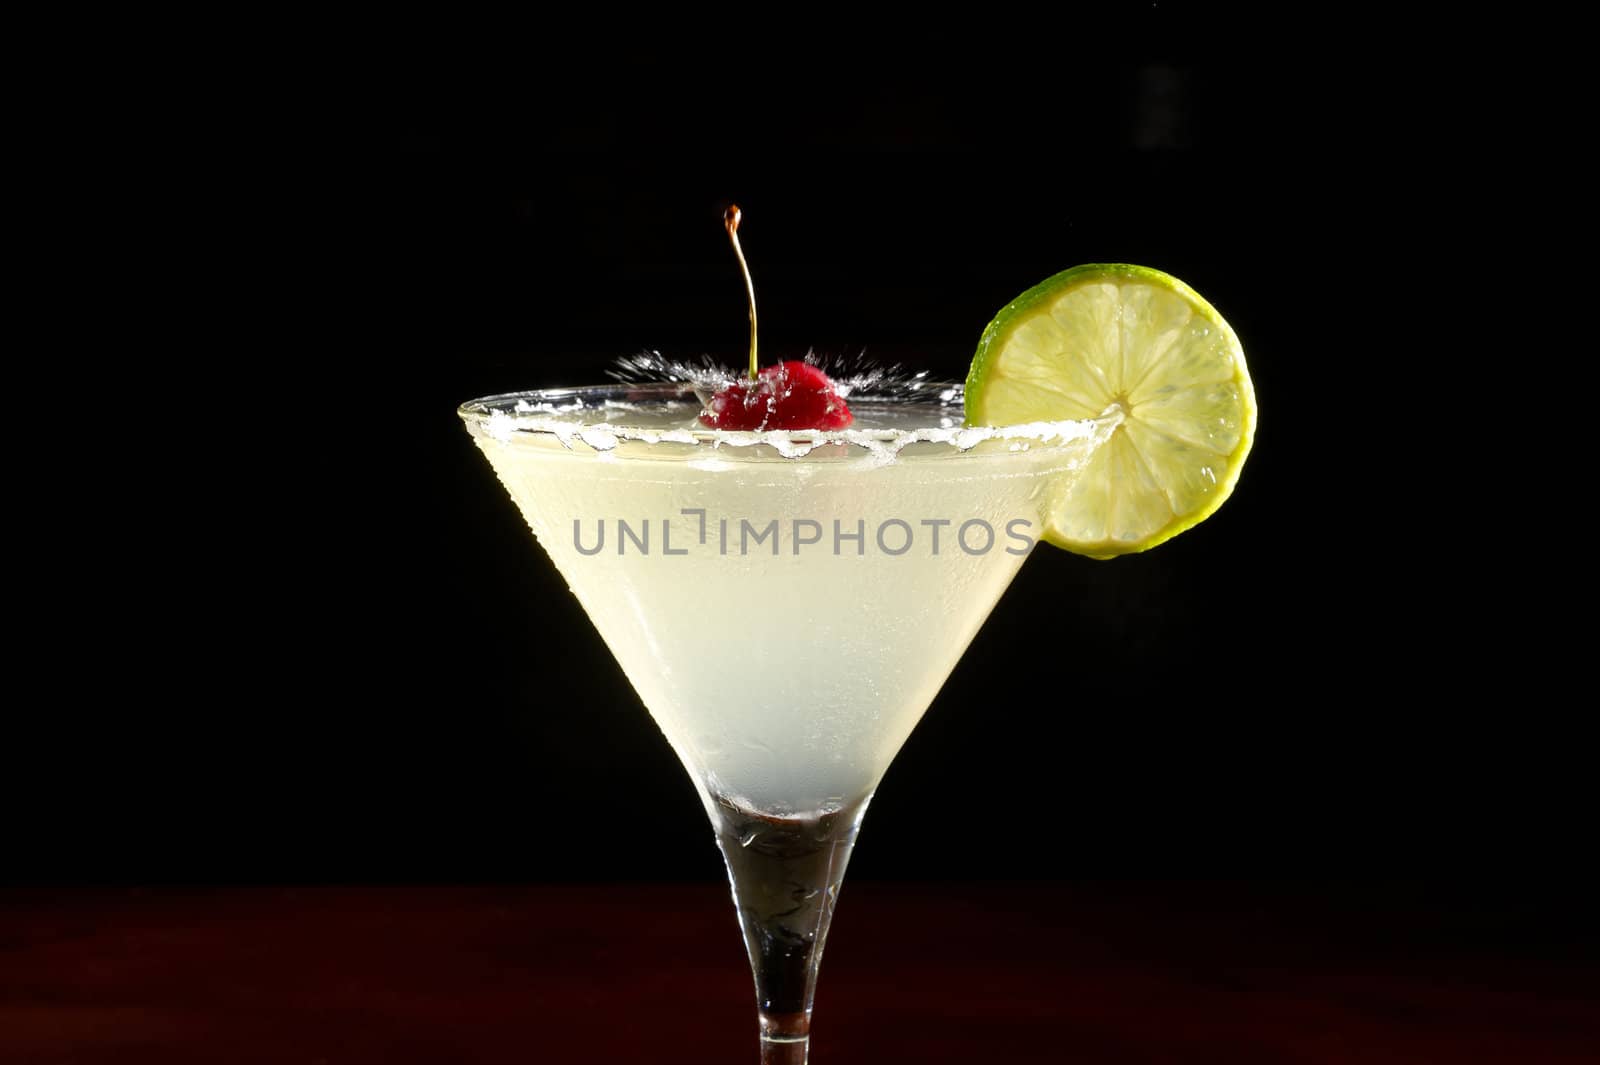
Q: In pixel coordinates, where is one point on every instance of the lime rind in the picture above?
(1101, 336)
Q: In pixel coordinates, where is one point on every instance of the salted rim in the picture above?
(560, 413)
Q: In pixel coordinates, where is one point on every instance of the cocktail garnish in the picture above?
(789, 395)
(1112, 338)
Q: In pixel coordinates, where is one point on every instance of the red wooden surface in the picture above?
(631, 973)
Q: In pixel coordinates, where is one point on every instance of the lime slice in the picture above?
(1099, 339)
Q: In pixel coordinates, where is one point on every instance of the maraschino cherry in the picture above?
(789, 395)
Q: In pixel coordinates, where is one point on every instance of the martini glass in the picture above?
(785, 603)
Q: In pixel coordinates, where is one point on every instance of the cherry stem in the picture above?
(730, 219)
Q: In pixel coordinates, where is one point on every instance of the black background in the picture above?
(335, 652)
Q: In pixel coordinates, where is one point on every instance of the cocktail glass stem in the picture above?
(786, 872)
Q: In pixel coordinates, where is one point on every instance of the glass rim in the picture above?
(485, 412)
(482, 407)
